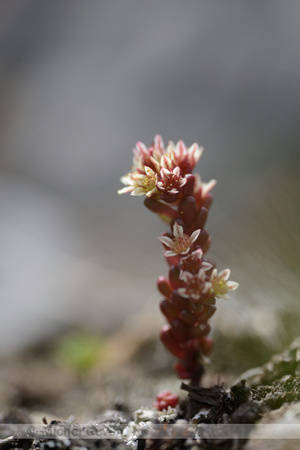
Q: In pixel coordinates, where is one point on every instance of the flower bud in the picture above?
(206, 313)
(168, 310)
(202, 238)
(206, 345)
(187, 210)
(180, 303)
(202, 330)
(170, 342)
(169, 197)
(179, 330)
(201, 218)
(174, 273)
(161, 209)
(205, 299)
(188, 188)
(179, 222)
(188, 317)
(164, 286)
(208, 201)
(206, 246)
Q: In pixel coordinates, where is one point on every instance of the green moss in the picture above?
(79, 351)
(234, 356)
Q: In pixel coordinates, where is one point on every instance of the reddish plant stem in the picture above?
(186, 335)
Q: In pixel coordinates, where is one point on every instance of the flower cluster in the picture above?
(159, 172)
(164, 176)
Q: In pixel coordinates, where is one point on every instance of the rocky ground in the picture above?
(74, 382)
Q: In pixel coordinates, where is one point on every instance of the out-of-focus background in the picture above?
(81, 82)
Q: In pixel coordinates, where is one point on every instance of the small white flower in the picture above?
(143, 156)
(171, 181)
(180, 154)
(202, 187)
(140, 183)
(194, 285)
(168, 165)
(181, 243)
(193, 262)
(220, 284)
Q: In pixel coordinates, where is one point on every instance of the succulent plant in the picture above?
(164, 176)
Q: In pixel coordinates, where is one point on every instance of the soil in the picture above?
(108, 401)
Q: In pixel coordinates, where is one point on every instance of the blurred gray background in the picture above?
(81, 82)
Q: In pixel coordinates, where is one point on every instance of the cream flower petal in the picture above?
(206, 187)
(220, 285)
(177, 231)
(156, 164)
(125, 190)
(206, 265)
(159, 143)
(194, 236)
(138, 192)
(166, 240)
(196, 152)
(225, 274)
(232, 285)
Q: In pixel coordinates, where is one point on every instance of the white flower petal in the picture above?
(225, 274)
(184, 275)
(206, 187)
(153, 191)
(232, 285)
(196, 152)
(166, 240)
(182, 291)
(177, 231)
(207, 287)
(125, 190)
(159, 143)
(164, 172)
(125, 179)
(166, 162)
(169, 253)
(141, 147)
(155, 163)
(176, 171)
(140, 164)
(185, 252)
(206, 265)
(183, 182)
(194, 236)
(138, 192)
(149, 172)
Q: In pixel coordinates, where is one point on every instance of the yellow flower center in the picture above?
(221, 287)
